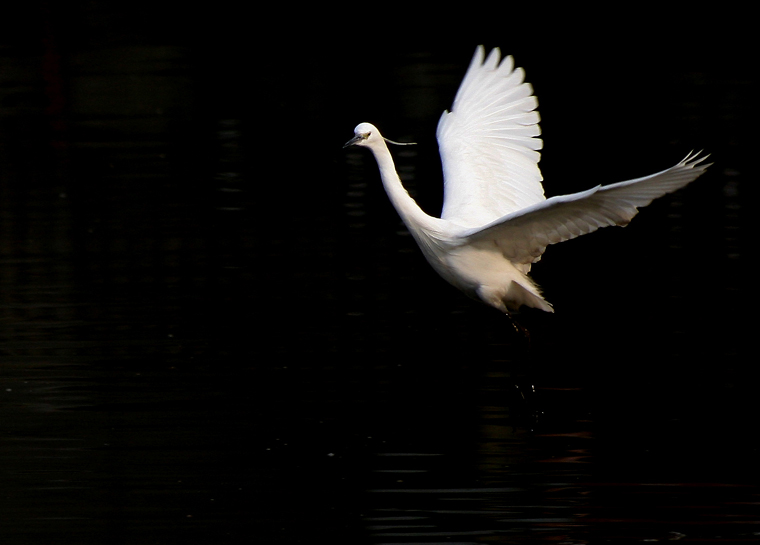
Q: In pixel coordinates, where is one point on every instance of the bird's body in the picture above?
(496, 220)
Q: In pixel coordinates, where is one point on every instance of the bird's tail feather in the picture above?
(527, 294)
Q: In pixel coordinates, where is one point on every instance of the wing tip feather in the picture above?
(695, 160)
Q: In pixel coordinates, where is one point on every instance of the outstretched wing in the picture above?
(488, 144)
(523, 236)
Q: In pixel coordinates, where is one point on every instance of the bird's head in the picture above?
(366, 134)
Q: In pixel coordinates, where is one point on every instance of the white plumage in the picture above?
(488, 144)
(496, 220)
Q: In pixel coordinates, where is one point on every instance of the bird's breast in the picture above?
(469, 267)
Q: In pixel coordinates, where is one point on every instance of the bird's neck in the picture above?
(412, 215)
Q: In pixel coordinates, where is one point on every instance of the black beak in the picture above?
(353, 141)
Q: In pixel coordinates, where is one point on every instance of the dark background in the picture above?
(214, 328)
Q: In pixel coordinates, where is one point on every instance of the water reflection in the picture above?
(553, 483)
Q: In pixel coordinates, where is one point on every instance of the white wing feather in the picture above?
(524, 235)
(488, 144)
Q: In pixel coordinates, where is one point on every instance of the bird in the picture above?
(496, 222)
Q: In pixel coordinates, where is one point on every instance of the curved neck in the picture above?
(404, 204)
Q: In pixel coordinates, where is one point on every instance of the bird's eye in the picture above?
(365, 135)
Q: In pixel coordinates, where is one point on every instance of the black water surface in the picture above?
(215, 329)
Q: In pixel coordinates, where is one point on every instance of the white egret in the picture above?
(496, 221)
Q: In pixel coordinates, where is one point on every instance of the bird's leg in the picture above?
(518, 327)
